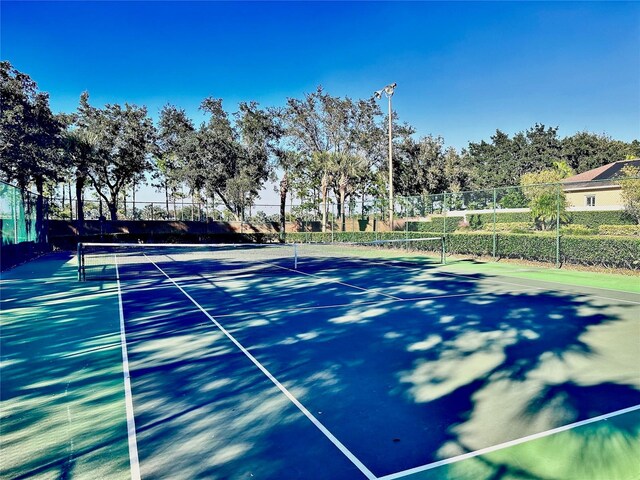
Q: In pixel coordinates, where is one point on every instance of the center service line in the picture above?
(367, 473)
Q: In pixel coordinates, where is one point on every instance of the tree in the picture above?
(227, 161)
(631, 191)
(175, 139)
(547, 201)
(80, 147)
(30, 135)
(426, 167)
(289, 163)
(123, 139)
(505, 160)
(260, 132)
(327, 130)
(346, 170)
(586, 151)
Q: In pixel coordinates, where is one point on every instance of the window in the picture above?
(591, 200)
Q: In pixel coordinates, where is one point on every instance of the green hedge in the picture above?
(577, 229)
(501, 217)
(518, 227)
(620, 252)
(595, 219)
(305, 237)
(436, 225)
(589, 219)
(612, 252)
(619, 230)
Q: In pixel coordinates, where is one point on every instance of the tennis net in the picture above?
(107, 261)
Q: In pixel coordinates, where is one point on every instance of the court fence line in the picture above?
(23, 228)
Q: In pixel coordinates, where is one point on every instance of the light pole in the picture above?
(388, 91)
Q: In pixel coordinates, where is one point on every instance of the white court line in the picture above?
(333, 281)
(493, 277)
(352, 304)
(511, 443)
(131, 424)
(367, 473)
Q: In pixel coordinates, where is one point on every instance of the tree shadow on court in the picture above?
(63, 411)
(404, 365)
(472, 363)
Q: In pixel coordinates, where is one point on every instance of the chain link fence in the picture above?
(23, 233)
(579, 222)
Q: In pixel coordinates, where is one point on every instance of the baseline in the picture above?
(504, 445)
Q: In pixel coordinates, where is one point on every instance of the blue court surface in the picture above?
(370, 368)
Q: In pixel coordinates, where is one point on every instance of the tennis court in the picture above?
(316, 361)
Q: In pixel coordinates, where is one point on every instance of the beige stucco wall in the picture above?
(605, 197)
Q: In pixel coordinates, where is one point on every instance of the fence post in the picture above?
(444, 228)
(14, 214)
(494, 225)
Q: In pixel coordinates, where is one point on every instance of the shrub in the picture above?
(601, 251)
(577, 230)
(595, 219)
(629, 230)
(514, 227)
(436, 225)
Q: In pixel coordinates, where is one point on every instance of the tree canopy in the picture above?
(321, 148)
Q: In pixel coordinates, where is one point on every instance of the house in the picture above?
(597, 189)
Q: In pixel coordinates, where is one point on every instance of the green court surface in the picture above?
(63, 410)
(384, 367)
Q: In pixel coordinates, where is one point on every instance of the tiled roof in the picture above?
(605, 172)
(598, 177)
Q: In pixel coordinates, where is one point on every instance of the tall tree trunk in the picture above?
(40, 234)
(80, 180)
(284, 187)
(64, 201)
(324, 188)
(343, 186)
(113, 210)
(343, 218)
(112, 205)
(166, 199)
(133, 197)
(70, 202)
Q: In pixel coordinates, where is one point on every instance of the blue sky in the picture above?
(463, 69)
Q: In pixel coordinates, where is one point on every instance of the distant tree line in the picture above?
(315, 147)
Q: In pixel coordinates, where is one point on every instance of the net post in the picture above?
(295, 256)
